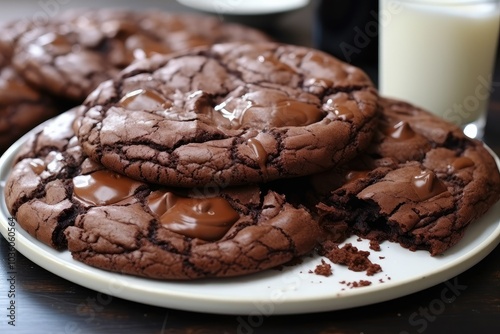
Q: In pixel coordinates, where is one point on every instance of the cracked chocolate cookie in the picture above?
(79, 49)
(112, 222)
(421, 183)
(230, 114)
(22, 106)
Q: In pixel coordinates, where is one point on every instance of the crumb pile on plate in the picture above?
(231, 158)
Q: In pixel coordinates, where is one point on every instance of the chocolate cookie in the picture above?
(421, 183)
(230, 114)
(112, 222)
(11, 32)
(22, 107)
(79, 49)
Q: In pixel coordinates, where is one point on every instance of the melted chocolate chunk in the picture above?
(427, 185)
(104, 187)
(461, 163)
(204, 218)
(401, 131)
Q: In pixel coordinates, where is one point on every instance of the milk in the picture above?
(440, 55)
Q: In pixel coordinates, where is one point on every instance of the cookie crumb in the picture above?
(323, 269)
(375, 245)
(356, 284)
(354, 259)
(361, 283)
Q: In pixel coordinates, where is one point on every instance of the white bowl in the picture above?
(245, 7)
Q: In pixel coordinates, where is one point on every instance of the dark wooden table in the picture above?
(46, 303)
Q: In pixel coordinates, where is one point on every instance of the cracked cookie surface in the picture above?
(22, 106)
(230, 114)
(112, 222)
(421, 183)
(78, 49)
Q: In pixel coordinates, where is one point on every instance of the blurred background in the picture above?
(346, 29)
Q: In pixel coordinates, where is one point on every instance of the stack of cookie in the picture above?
(233, 158)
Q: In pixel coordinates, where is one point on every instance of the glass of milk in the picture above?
(440, 55)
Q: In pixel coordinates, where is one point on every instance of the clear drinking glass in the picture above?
(440, 55)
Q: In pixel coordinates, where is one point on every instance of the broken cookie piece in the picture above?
(421, 183)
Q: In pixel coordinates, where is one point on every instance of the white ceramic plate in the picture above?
(291, 290)
(245, 7)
